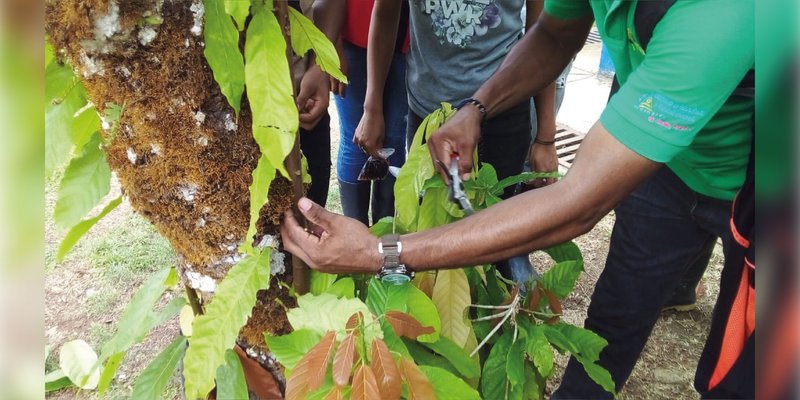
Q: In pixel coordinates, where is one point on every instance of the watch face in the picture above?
(395, 279)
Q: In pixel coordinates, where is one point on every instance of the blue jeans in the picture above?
(661, 230)
(354, 194)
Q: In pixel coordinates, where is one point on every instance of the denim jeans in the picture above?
(355, 199)
(661, 230)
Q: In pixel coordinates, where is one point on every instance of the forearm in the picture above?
(603, 173)
(329, 16)
(546, 49)
(545, 103)
(380, 50)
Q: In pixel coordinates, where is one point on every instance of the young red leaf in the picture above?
(310, 371)
(555, 307)
(406, 325)
(334, 394)
(352, 323)
(343, 361)
(386, 373)
(419, 387)
(364, 385)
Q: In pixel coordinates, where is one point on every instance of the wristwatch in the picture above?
(392, 271)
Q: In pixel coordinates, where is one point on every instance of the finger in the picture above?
(465, 160)
(342, 89)
(440, 155)
(315, 214)
(294, 236)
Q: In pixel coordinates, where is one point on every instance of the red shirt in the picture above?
(356, 26)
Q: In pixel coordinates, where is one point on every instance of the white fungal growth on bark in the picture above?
(106, 25)
(201, 282)
(201, 222)
(124, 71)
(277, 260)
(198, 11)
(188, 191)
(147, 35)
(202, 141)
(90, 66)
(230, 125)
(155, 149)
(132, 157)
(199, 117)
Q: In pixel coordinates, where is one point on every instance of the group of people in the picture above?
(669, 154)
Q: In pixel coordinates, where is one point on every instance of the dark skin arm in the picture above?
(380, 50)
(542, 157)
(604, 172)
(547, 48)
(312, 96)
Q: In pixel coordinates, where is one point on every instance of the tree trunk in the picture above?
(183, 158)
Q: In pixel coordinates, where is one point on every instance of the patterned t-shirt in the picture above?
(456, 45)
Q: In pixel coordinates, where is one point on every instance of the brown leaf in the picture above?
(406, 325)
(555, 307)
(419, 387)
(536, 296)
(343, 361)
(334, 394)
(386, 373)
(259, 381)
(364, 385)
(352, 322)
(310, 370)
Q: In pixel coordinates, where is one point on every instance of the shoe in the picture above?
(682, 300)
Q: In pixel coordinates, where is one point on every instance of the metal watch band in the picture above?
(392, 271)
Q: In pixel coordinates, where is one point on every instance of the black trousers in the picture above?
(316, 146)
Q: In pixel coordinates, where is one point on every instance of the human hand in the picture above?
(370, 132)
(543, 158)
(312, 99)
(458, 135)
(338, 244)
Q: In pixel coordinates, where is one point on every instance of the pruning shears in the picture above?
(456, 190)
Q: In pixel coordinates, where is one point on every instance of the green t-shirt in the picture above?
(674, 105)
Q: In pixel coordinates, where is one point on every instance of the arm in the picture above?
(312, 97)
(547, 48)
(380, 50)
(604, 172)
(329, 17)
(542, 157)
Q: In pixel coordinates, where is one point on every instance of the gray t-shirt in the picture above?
(456, 45)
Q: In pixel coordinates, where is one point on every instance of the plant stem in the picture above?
(300, 273)
(194, 301)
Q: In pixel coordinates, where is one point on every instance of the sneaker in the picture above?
(685, 299)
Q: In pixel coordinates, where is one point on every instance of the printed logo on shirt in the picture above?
(458, 21)
(668, 114)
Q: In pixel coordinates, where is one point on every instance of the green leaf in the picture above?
(423, 356)
(56, 380)
(382, 297)
(493, 379)
(77, 360)
(567, 251)
(585, 346)
(451, 297)
(487, 176)
(222, 52)
(538, 348)
(58, 128)
(320, 282)
(385, 226)
(560, 279)
(86, 181)
(515, 363)
(172, 309)
(431, 215)
(217, 329)
(263, 175)
(154, 378)
(239, 10)
(460, 359)
(85, 123)
(110, 369)
(393, 342)
(531, 388)
(326, 312)
(447, 386)
(498, 188)
(230, 378)
(59, 80)
(289, 349)
(306, 36)
(421, 307)
(269, 89)
(344, 287)
(81, 228)
(113, 114)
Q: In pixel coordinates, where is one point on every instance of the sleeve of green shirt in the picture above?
(567, 9)
(698, 54)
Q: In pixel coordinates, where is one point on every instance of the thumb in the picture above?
(303, 96)
(314, 213)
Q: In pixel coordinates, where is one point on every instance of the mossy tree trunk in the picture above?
(182, 156)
